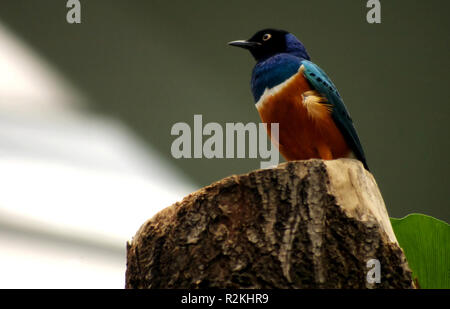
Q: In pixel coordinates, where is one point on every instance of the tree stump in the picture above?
(303, 224)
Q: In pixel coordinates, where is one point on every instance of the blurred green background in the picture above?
(154, 63)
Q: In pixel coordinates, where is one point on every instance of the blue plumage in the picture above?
(295, 47)
(322, 83)
(279, 55)
(273, 71)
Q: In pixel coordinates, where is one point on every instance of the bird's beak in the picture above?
(244, 44)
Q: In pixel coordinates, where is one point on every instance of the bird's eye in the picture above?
(266, 36)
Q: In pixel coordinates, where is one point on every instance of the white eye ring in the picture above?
(266, 36)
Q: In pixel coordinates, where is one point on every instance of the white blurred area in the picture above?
(74, 186)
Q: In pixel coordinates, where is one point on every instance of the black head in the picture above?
(269, 42)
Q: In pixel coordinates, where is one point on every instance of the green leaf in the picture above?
(426, 243)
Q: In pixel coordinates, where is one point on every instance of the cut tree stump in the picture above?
(303, 224)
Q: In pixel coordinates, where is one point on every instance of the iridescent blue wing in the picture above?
(322, 83)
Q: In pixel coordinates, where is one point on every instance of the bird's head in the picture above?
(270, 42)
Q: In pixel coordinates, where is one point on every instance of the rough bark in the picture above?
(304, 224)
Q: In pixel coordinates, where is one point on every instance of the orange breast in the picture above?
(303, 133)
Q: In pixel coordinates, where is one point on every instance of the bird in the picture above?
(291, 90)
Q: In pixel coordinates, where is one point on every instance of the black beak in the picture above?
(244, 44)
